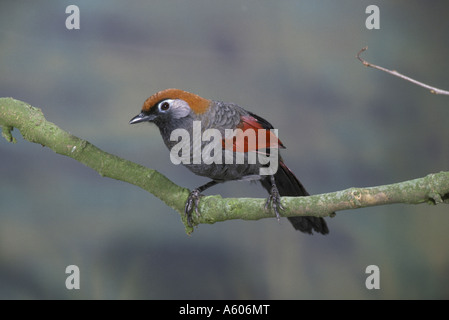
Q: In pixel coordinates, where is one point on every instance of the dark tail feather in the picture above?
(289, 185)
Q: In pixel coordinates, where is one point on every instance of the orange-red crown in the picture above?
(197, 104)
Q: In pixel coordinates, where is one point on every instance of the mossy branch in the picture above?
(434, 188)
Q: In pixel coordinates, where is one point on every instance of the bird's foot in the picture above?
(191, 205)
(274, 200)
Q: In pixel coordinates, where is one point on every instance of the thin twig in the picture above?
(400, 75)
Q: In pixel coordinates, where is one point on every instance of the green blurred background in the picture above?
(293, 63)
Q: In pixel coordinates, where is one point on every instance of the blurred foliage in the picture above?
(292, 62)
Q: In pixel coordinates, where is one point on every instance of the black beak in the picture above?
(142, 117)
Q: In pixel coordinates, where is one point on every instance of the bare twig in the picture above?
(400, 75)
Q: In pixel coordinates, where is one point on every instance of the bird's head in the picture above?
(171, 105)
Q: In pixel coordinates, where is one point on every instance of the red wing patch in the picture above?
(251, 135)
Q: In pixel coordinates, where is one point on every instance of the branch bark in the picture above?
(433, 188)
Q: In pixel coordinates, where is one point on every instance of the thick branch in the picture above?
(33, 126)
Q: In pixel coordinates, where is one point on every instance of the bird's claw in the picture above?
(192, 204)
(274, 200)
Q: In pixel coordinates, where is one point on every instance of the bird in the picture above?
(175, 109)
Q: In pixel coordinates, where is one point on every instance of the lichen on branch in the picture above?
(30, 121)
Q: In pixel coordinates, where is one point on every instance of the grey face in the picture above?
(165, 111)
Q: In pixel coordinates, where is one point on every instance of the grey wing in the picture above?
(226, 115)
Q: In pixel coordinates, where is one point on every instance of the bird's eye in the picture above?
(164, 106)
